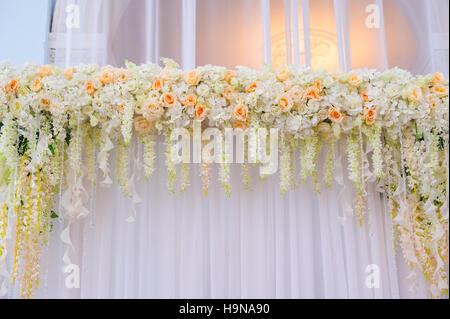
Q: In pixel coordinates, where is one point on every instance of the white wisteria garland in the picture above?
(58, 126)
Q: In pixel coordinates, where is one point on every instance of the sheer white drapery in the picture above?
(254, 243)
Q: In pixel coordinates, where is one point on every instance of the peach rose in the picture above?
(190, 99)
(229, 75)
(415, 94)
(200, 112)
(123, 75)
(354, 79)
(438, 78)
(285, 103)
(151, 109)
(228, 92)
(335, 115)
(45, 70)
(153, 112)
(143, 126)
(45, 103)
(120, 108)
(240, 124)
(440, 90)
(336, 74)
(168, 74)
(168, 99)
(251, 87)
(192, 77)
(37, 85)
(240, 112)
(89, 87)
(157, 84)
(68, 73)
(283, 74)
(106, 78)
(296, 93)
(370, 115)
(12, 86)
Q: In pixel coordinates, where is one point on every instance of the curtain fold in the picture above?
(255, 243)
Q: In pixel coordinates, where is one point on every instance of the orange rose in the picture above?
(106, 78)
(45, 70)
(143, 126)
(240, 112)
(12, 86)
(229, 75)
(438, 78)
(364, 96)
(190, 99)
(37, 85)
(168, 99)
(440, 90)
(200, 112)
(89, 87)
(192, 77)
(285, 103)
(240, 124)
(251, 87)
(354, 79)
(157, 84)
(415, 94)
(283, 74)
(312, 93)
(370, 115)
(335, 115)
(68, 73)
(318, 86)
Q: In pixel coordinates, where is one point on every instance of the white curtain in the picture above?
(255, 243)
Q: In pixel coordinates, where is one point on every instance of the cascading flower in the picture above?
(54, 123)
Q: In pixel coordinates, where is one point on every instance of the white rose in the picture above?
(202, 90)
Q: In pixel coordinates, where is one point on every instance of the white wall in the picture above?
(24, 27)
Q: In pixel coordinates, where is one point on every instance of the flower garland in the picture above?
(57, 125)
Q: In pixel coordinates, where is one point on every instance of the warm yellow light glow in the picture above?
(323, 49)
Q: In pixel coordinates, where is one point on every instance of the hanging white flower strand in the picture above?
(52, 121)
(148, 143)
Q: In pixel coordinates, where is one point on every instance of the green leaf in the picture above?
(169, 63)
(50, 147)
(129, 65)
(22, 146)
(54, 215)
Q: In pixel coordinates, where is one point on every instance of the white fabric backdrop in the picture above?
(254, 244)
